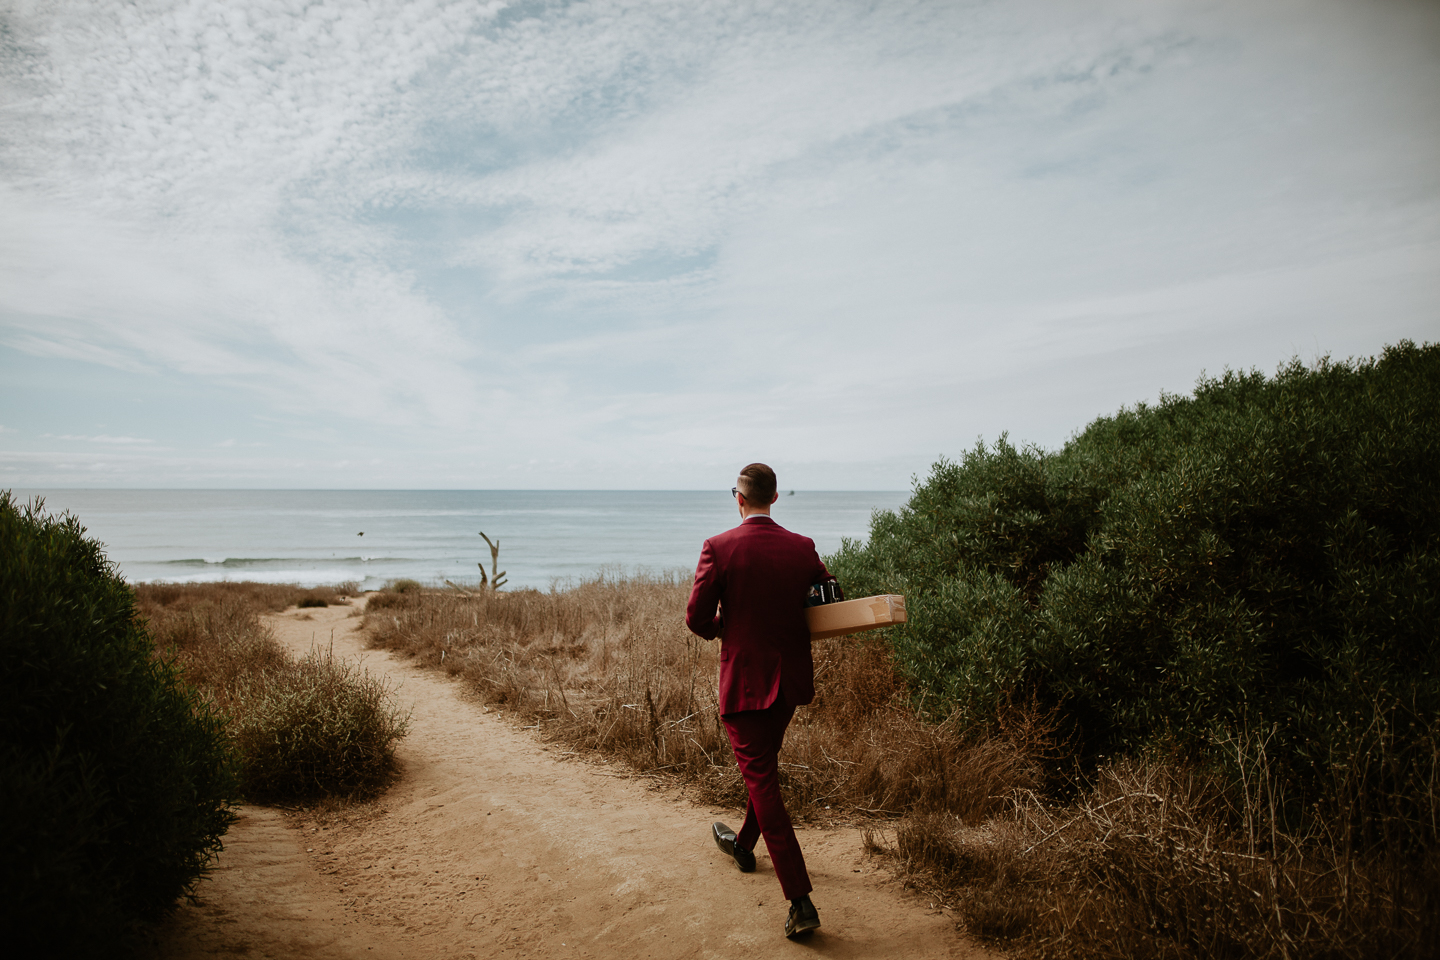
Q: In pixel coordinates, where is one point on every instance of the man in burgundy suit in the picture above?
(750, 590)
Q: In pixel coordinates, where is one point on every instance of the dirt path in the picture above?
(495, 845)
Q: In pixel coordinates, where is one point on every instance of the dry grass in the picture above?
(267, 597)
(321, 727)
(609, 667)
(304, 729)
(1156, 861)
(214, 632)
(1146, 859)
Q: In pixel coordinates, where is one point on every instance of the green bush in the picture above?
(116, 783)
(1263, 555)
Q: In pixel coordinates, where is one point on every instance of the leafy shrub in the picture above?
(302, 729)
(1263, 555)
(116, 781)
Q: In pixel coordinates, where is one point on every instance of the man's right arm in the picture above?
(701, 613)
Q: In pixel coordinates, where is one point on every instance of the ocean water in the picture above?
(546, 537)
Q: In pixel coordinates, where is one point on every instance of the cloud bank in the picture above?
(619, 244)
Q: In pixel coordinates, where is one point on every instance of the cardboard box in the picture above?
(854, 616)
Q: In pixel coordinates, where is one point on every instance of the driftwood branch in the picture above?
(496, 580)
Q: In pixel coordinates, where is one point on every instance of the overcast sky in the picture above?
(286, 243)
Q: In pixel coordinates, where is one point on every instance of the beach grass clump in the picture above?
(116, 778)
(396, 593)
(608, 667)
(321, 727)
(303, 729)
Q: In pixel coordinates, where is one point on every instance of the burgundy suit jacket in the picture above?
(750, 589)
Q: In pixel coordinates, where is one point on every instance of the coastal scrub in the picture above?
(116, 778)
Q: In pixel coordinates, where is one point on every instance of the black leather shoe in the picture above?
(725, 840)
(803, 920)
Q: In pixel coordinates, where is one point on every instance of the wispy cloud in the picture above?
(473, 238)
(100, 438)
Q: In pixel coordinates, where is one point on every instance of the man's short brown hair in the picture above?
(757, 484)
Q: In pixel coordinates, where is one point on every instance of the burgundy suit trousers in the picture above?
(756, 736)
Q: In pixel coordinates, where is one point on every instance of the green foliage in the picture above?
(115, 782)
(1264, 554)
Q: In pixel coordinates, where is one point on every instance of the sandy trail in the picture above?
(493, 844)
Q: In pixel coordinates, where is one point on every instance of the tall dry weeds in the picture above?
(215, 635)
(1160, 860)
(303, 728)
(608, 666)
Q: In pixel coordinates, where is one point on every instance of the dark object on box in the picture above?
(826, 591)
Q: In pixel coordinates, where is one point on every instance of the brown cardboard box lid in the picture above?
(854, 616)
